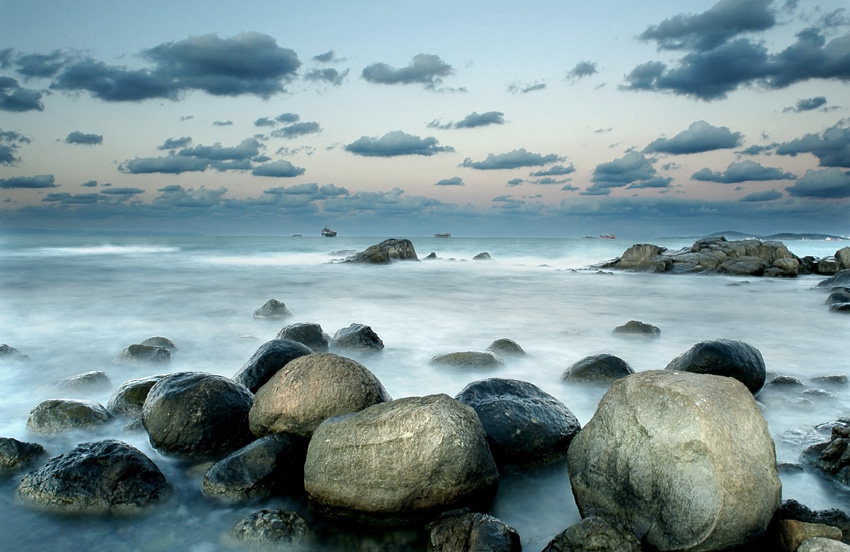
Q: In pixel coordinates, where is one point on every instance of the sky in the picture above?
(478, 118)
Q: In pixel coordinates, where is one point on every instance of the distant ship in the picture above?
(607, 237)
(328, 233)
(443, 235)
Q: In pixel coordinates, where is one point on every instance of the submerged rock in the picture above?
(594, 534)
(463, 531)
(638, 329)
(272, 309)
(386, 252)
(267, 360)
(271, 529)
(160, 342)
(483, 256)
(10, 353)
(357, 338)
(597, 368)
(506, 347)
(308, 334)
(469, 359)
(87, 381)
(832, 458)
(17, 455)
(724, 357)
(143, 353)
(58, 415)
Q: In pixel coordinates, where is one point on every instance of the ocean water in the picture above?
(71, 303)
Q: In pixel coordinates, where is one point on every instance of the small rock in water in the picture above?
(386, 252)
(128, 399)
(483, 256)
(637, 329)
(597, 368)
(92, 380)
(594, 534)
(7, 352)
(357, 338)
(273, 309)
(310, 334)
(469, 359)
(269, 528)
(160, 342)
(17, 455)
(59, 415)
(506, 347)
(143, 353)
(724, 357)
(270, 357)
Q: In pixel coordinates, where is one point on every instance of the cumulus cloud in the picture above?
(831, 183)
(832, 148)
(17, 99)
(327, 57)
(512, 160)
(222, 123)
(10, 141)
(297, 129)
(77, 137)
(554, 170)
(263, 122)
(396, 143)
(582, 69)
(278, 169)
(699, 137)
(197, 159)
(30, 182)
(767, 195)
(453, 181)
(328, 75)
(174, 143)
(808, 104)
(426, 69)
(176, 196)
(472, 120)
(40, 65)
(743, 171)
(515, 181)
(287, 118)
(633, 170)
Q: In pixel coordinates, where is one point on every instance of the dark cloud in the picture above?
(832, 148)
(328, 75)
(17, 99)
(247, 149)
(549, 181)
(554, 170)
(757, 150)
(582, 69)
(113, 83)
(175, 143)
(655, 182)
(297, 129)
(40, 65)
(264, 121)
(427, 69)
(197, 159)
(287, 118)
(222, 123)
(831, 183)
(189, 199)
(31, 182)
(396, 143)
(77, 137)
(633, 170)
(515, 181)
(699, 137)
(454, 181)
(121, 194)
(723, 21)
(569, 188)
(278, 169)
(10, 141)
(767, 195)
(89, 184)
(327, 57)
(512, 160)
(472, 120)
(6, 57)
(807, 104)
(743, 171)
(391, 203)
(525, 88)
(172, 164)
(71, 199)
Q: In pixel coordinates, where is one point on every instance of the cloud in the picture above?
(77, 137)
(287, 118)
(396, 143)
(89, 184)
(427, 69)
(222, 123)
(831, 183)
(174, 143)
(723, 21)
(743, 171)
(391, 203)
(189, 199)
(633, 170)
(172, 164)
(264, 121)
(832, 148)
(807, 104)
(40, 65)
(655, 182)
(16, 99)
(121, 194)
(10, 141)
(278, 169)
(554, 170)
(767, 195)
(29, 182)
(472, 120)
(582, 69)
(197, 159)
(757, 150)
(327, 57)
(699, 137)
(515, 181)
(247, 149)
(328, 75)
(297, 129)
(525, 87)
(453, 181)
(512, 160)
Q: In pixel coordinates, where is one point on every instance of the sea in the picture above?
(71, 303)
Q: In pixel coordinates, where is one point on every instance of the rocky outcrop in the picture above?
(17, 455)
(310, 389)
(404, 460)
(469, 359)
(143, 353)
(197, 415)
(724, 357)
(684, 461)
(267, 360)
(597, 368)
(842, 279)
(357, 338)
(832, 457)
(272, 309)
(271, 529)
(59, 415)
(594, 534)
(306, 333)
(128, 399)
(464, 531)
(98, 477)
(386, 252)
(505, 347)
(524, 424)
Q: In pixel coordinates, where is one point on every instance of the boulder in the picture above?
(639, 256)
(268, 359)
(143, 353)
(597, 368)
(128, 399)
(308, 334)
(309, 389)
(842, 279)
(820, 544)
(268, 466)
(843, 257)
(97, 477)
(357, 338)
(272, 309)
(792, 532)
(786, 267)
(684, 461)
(637, 329)
(159, 342)
(506, 347)
(832, 457)
(408, 459)
(469, 359)
(594, 534)
(838, 295)
(791, 509)
(10, 353)
(828, 266)
(724, 357)
(197, 415)
(483, 256)
(269, 529)
(59, 415)
(465, 531)
(840, 307)
(87, 381)
(385, 252)
(524, 424)
(744, 266)
(17, 455)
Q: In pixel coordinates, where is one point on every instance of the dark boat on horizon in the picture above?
(328, 233)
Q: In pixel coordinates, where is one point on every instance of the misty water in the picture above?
(72, 303)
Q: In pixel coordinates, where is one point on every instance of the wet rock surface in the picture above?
(724, 357)
(59, 415)
(267, 360)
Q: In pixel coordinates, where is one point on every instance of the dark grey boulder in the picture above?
(597, 368)
(465, 531)
(483, 256)
(724, 357)
(59, 415)
(842, 279)
(268, 359)
(143, 353)
(840, 307)
(268, 466)
(128, 399)
(159, 341)
(357, 338)
(594, 534)
(635, 328)
(838, 295)
(272, 309)
(469, 359)
(87, 381)
(505, 347)
(272, 529)
(98, 477)
(386, 252)
(401, 461)
(17, 455)
(197, 415)
(307, 333)
(524, 424)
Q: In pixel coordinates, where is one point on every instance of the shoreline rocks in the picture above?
(385, 252)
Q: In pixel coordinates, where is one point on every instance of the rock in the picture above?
(309, 389)
(386, 252)
(197, 415)
(792, 533)
(86, 381)
(843, 257)
(268, 466)
(308, 334)
(791, 509)
(96, 477)
(128, 399)
(59, 415)
(744, 266)
(403, 460)
(785, 381)
(639, 256)
(838, 295)
(637, 328)
(159, 342)
(524, 424)
(684, 461)
(597, 368)
(483, 256)
(840, 307)
(271, 529)
(268, 359)
(143, 353)
(17, 455)
(724, 357)
(832, 457)
(594, 534)
(819, 544)
(10, 353)
(842, 279)
(431, 256)
(506, 347)
(836, 380)
(465, 531)
(469, 359)
(357, 338)
(273, 309)
(786, 267)
(828, 266)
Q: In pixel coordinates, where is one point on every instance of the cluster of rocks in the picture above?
(838, 287)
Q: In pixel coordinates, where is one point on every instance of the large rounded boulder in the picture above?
(684, 461)
(197, 415)
(597, 368)
(268, 359)
(98, 477)
(309, 390)
(724, 357)
(58, 415)
(129, 398)
(524, 424)
(400, 461)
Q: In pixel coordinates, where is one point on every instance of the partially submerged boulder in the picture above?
(603, 368)
(386, 252)
(636, 328)
(267, 529)
(832, 457)
(8, 352)
(159, 341)
(463, 531)
(724, 357)
(306, 333)
(358, 338)
(127, 401)
(93, 380)
(143, 353)
(505, 347)
(594, 534)
(59, 415)
(272, 309)
(267, 360)
(469, 359)
(17, 455)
